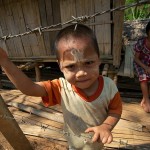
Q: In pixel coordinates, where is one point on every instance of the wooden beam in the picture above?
(11, 130)
(37, 72)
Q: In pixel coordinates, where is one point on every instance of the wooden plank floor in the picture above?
(132, 131)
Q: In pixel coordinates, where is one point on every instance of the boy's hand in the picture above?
(102, 133)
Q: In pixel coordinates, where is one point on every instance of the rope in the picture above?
(75, 20)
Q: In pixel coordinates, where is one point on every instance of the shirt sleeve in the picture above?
(115, 106)
(53, 92)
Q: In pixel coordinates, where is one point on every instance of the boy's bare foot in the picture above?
(146, 105)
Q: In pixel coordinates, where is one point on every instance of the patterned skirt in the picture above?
(142, 75)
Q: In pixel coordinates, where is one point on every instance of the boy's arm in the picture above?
(19, 79)
(111, 121)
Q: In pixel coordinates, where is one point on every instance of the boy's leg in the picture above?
(145, 103)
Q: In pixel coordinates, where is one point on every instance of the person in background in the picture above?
(142, 66)
(91, 103)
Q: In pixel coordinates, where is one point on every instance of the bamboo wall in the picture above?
(19, 16)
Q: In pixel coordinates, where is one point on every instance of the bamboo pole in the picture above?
(11, 130)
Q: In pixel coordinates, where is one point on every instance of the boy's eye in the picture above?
(70, 67)
(89, 62)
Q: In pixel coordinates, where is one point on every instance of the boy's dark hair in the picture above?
(76, 30)
(148, 27)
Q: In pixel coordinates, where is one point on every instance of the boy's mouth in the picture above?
(84, 80)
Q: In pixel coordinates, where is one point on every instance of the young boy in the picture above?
(90, 103)
(142, 66)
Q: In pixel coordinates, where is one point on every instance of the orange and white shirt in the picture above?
(80, 111)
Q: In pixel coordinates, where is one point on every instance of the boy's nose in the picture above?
(81, 73)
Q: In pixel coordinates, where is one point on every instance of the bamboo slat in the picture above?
(2, 43)
(46, 19)
(55, 18)
(5, 31)
(17, 96)
(54, 117)
(34, 119)
(9, 21)
(32, 105)
(21, 25)
(32, 21)
(50, 20)
(117, 32)
(37, 23)
(66, 14)
(14, 27)
(43, 16)
(85, 7)
(56, 11)
(103, 32)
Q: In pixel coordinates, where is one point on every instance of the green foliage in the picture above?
(137, 12)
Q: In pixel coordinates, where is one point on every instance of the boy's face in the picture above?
(78, 61)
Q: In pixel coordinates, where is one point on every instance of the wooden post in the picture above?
(11, 130)
(38, 73)
(112, 73)
(115, 79)
(105, 70)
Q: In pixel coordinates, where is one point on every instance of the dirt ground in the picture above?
(36, 142)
